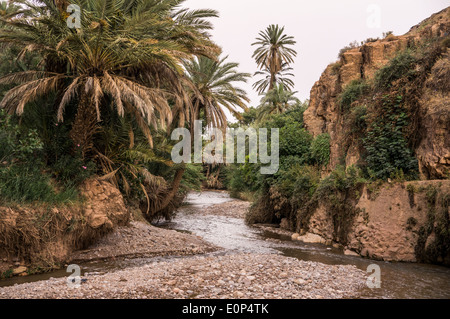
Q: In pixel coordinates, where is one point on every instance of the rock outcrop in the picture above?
(398, 222)
(323, 116)
(433, 152)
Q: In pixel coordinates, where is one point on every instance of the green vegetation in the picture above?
(385, 143)
(24, 177)
(97, 100)
(320, 150)
(438, 224)
(380, 118)
(102, 100)
(350, 46)
(352, 92)
(401, 66)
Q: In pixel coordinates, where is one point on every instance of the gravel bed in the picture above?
(240, 276)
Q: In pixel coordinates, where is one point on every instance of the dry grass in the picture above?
(42, 236)
(439, 79)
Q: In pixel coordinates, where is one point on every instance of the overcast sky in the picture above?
(320, 27)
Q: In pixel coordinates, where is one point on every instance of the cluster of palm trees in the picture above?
(274, 56)
(150, 62)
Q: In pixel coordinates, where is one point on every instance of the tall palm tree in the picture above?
(214, 81)
(274, 51)
(129, 53)
(276, 101)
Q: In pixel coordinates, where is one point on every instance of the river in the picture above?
(398, 280)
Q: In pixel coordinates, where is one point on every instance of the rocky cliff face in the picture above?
(400, 222)
(323, 115)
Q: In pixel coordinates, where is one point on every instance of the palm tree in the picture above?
(214, 81)
(276, 101)
(274, 52)
(215, 90)
(282, 77)
(127, 54)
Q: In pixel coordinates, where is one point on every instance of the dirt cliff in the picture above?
(42, 237)
(324, 115)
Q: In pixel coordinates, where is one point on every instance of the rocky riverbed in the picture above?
(252, 276)
(204, 272)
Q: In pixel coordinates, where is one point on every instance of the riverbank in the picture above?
(203, 275)
(139, 240)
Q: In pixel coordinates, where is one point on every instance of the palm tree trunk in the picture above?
(175, 187)
(84, 126)
(272, 81)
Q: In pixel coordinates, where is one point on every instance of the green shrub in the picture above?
(23, 175)
(352, 93)
(72, 170)
(320, 150)
(386, 147)
(300, 183)
(339, 192)
(358, 120)
(402, 66)
(387, 34)
(295, 140)
(243, 178)
(350, 46)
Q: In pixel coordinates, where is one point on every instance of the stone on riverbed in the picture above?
(311, 239)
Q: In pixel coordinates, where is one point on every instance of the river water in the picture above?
(398, 280)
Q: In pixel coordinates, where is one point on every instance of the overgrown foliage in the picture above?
(24, 177)
(385, 143)
(436, 250)
(381, 119)
(352, 93)
(98, 97)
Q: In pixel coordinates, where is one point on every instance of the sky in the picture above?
(320, 27)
